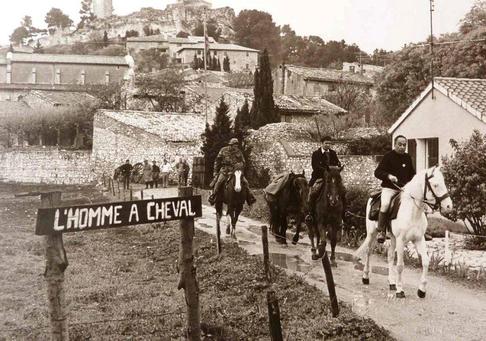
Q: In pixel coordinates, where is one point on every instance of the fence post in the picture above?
(56, 264)
(141, 194)
(188, 280)
(266, 258)
(447, 250)
(131, 194)
(330, 285)
(274, 316)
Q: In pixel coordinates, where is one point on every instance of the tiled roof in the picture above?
(307, 105)
(468, 93)
(56, 98)
(190, 40)
(219, 47)
(169, 127)
(68, 59)
(9, 108)
(329, 75)
(154, 38)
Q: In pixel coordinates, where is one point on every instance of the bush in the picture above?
(355, 223)
(241, 80)
(475, 243)
(465, 176)
(258, 178)
(377, 145)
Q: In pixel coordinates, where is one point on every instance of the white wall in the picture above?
(441, 118)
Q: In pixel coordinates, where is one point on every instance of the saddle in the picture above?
(376, 203)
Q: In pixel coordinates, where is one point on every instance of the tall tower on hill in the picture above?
(103, 8)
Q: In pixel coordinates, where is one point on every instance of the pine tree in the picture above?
(263, 109)
(242, 120)
(216, 137)
(86, 13)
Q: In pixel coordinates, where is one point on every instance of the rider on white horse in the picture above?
(395, 171)
(228, 159)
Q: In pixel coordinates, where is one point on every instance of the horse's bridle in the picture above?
(434, 206)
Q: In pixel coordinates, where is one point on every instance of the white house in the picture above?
(450, 109)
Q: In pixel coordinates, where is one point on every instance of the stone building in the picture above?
(103, 8)
(368, 69)
(20, 72)
(139, 135)
(241, 58)
(315, 82)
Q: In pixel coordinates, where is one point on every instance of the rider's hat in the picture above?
(233, 141)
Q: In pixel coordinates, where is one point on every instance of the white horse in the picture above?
(234, 197)
(426, 188)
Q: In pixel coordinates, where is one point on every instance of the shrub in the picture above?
(377, 145)
(475, 243)
(355, 223)
(258, 177)
(241, 80)
(465, 176)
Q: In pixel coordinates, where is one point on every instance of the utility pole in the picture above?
(205, 57)
(432, 8)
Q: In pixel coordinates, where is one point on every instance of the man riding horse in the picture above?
(228, 160)
(395, 171)
(322, 159)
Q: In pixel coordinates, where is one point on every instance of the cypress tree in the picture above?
(242, 120)
(263, 109)
(216, 137)
(195, 62)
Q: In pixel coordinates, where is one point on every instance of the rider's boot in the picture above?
(382, 221)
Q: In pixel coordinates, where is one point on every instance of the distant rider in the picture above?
(228, 160)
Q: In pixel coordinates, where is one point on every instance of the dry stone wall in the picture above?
(114, 142)
(46, 165)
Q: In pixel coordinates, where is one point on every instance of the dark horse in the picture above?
(291, 201)
(328, 213)
(234, 196)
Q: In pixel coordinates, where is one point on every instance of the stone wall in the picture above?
(46, 165)
(114, 142)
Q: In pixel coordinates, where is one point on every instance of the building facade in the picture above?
(450, 109)
(241, 58)
(303, 81)
(20, 73)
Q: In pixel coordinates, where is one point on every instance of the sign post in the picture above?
(56, 264)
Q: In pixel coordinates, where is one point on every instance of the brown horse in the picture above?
(291, 201)
(328, 213)
(234, 196)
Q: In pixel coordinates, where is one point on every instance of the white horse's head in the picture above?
(238, 181)
(435, 190)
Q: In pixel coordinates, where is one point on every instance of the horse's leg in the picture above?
(422, 251)
(312, 235)
(283, 229)
(228, 219)
(365, 251)
(333, 230)
(392, 269)
(322, 236)
(400, 265)
(298, 224)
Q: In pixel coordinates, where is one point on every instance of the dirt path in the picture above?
(450, 311)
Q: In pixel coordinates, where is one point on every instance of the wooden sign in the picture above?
(111, 215)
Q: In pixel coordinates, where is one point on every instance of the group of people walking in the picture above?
(153, 174)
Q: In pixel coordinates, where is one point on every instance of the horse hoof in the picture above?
(393, 287)
(366, 281)
(400, 294)
(421, 293)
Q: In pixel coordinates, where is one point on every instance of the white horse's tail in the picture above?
(363, 249)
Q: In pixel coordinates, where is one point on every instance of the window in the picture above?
(331, 87)
(248, 54)
(432, 152)
(412, 150)
(199, 52)
(352, 69)
(287, 118)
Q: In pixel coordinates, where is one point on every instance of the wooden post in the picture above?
(330, 285)
(188, 280)
(112, 186)
(266, 258)
(219, 247)
(56, 263)
(131, 194)
(274, 316)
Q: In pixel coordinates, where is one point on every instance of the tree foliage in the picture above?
(109, 96)
(19, 34)
(212, 29)
(215, 137)
(475, 18)
(164, 89)
(56, 18)
(151, 59)
(256, 29)
(86, 13)
(263, 110)
(465, 175)
(242, 120)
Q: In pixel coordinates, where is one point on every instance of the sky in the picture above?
(371, 24)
